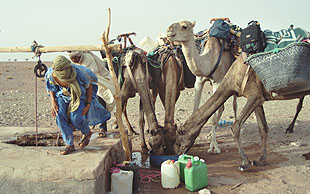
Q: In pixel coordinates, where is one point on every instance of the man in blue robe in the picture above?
(73, 89)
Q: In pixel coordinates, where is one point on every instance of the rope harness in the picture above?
(40, 69)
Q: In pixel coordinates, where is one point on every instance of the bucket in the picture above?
(196, 174)
(183, 160)
(170, 174)
(157, 160)
(121, 182)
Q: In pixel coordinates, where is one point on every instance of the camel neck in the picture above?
(198, 64)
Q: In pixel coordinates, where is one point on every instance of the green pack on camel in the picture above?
(284, 37)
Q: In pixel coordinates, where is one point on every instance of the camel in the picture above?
(240, 80)
(136, 79)
(256, 95)
(170, 84)
(203, 66)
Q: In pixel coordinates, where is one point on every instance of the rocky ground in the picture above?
(286, 171)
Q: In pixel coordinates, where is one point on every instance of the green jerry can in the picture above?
(196, 174)
(183, 160)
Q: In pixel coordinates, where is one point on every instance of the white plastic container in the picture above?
(147, 44)
(121, 182)
(170, 174)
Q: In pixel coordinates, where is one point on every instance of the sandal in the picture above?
(85, 139)
(102, 134)
(69, 149)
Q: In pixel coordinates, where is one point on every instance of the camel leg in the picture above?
(214, 149)
(142, 124)
(148, 109)
(214, 122)
(247, 110)
(130, 128)
(190, 130)
(235, 106)
(199, 83)
(298, 109)
(145, 96)
(263, 131)
(127, 91)
(169, 92)
(154, 94)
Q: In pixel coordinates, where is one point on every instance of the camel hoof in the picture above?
(289, 130)
(259, 163)
(244, 168)
(214, 151)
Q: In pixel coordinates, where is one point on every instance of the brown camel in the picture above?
(203, 65)
(170, 84)
(136, 80)
(256, 95)
(234, 83)
(167, 82)
(213, 63)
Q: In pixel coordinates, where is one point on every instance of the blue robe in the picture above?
(96, 114)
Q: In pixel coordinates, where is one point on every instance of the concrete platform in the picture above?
(38, 170)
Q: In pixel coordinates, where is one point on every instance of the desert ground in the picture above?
(287, 171)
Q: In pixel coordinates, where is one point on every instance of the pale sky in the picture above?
(80, 22)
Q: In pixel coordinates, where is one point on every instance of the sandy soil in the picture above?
(286, 170)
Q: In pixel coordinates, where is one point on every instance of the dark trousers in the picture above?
(104, 124)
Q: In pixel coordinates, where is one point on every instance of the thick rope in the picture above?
(148, 176)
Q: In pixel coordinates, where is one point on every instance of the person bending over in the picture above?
(72, 89)
(106, 88)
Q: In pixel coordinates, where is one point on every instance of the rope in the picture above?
(148, 175)
(36, 107)
(218, 60)
(115, 170)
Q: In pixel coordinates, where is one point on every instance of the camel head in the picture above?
(181, 31)
(183, 143)
(157, 142)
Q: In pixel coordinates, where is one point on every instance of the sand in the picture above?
(286, 170)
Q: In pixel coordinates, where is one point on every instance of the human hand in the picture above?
(54, 108)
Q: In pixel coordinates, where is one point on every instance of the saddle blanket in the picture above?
(284, 37)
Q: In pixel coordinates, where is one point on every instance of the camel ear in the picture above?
(193, 24)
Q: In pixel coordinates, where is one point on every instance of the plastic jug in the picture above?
(170, 174)
(121, 182)
(196, 174)
(136, 175)
(147, 44)
(183, 160)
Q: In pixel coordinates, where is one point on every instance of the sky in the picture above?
(80, 22)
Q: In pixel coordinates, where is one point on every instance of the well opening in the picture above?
(43, 139)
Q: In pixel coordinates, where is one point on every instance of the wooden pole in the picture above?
(114, 47)
(118, 114)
